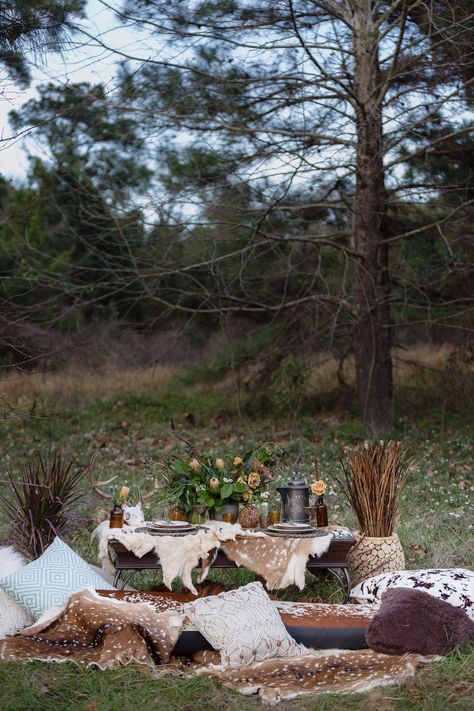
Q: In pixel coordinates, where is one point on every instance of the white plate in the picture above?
(291, 526)
(170, 524)
(293, 529)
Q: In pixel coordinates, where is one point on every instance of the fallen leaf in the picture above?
(91, 705)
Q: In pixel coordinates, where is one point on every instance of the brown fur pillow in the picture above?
(413, 621)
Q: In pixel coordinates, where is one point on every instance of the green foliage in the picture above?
(213, 481)
(242, 351)
(28, 26)
(289, 385)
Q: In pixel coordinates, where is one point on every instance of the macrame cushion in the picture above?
(414, 621)
(50, 579)
(13, 616)
(454, 585)
(243, 625)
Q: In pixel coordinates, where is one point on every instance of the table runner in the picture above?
(280, 561)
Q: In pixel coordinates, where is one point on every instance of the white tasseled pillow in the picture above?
(243, 625)
(13, 616)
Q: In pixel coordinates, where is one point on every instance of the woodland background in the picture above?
(262, 188)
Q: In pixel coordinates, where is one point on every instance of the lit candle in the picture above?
(316, 473)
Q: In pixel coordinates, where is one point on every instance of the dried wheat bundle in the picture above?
(373, 478)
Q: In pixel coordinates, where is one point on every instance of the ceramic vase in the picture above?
(372, 556)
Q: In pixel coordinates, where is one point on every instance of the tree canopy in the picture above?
(297, 162)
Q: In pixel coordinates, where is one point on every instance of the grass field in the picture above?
(126, 418)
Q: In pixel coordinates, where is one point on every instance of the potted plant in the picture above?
(374, 476)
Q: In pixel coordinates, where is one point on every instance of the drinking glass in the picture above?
(273, 516)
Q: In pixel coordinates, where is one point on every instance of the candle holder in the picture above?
(310, 511)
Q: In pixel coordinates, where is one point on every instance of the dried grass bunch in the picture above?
(373, 479)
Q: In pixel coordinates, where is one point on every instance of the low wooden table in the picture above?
(335, 560)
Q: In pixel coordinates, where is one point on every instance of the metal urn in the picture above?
(295, 496)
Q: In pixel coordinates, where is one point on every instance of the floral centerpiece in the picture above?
(215, 481)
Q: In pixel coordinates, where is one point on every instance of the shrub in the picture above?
(41, 504)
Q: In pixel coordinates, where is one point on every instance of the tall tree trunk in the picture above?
(372, 334)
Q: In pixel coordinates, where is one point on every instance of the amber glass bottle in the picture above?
(116, 517)
(321, 513)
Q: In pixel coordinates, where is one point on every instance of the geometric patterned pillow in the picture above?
(453, 585)
(50, 579)
(243, 625)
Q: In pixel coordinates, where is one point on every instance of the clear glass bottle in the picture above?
(263, 510)
(199, 514)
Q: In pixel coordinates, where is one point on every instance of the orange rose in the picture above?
(319, 487)
(254, 480)
(123, 493)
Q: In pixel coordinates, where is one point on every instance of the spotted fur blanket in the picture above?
(317, 672)
(280, 561)
(107, 633)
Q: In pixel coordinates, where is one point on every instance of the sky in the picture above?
(83, 62)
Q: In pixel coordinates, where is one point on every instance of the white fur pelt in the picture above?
(13, 616)
(178, 556)
(280, 562)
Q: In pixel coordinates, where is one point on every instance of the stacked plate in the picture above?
(290, 529)
(166, 528)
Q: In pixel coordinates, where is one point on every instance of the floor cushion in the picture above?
(316, 625)
(243, 625)
(414, 621)
(453, 585)
(13, 615)
(50, 579)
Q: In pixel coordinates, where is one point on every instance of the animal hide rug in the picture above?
(91, 630)
(107, 633)
(280, 561)
(324, 672)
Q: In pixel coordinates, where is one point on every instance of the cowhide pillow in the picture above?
(414, 621)
(243, 625)
(454, 585)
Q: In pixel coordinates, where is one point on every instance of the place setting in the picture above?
(166, 527)
(289, 529)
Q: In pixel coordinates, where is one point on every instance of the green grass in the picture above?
(35, 686)
(436, 528)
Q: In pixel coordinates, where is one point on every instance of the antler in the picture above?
(156, 488)
(97, 484)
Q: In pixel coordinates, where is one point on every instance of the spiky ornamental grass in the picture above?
(373, 479)
(41, 503)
